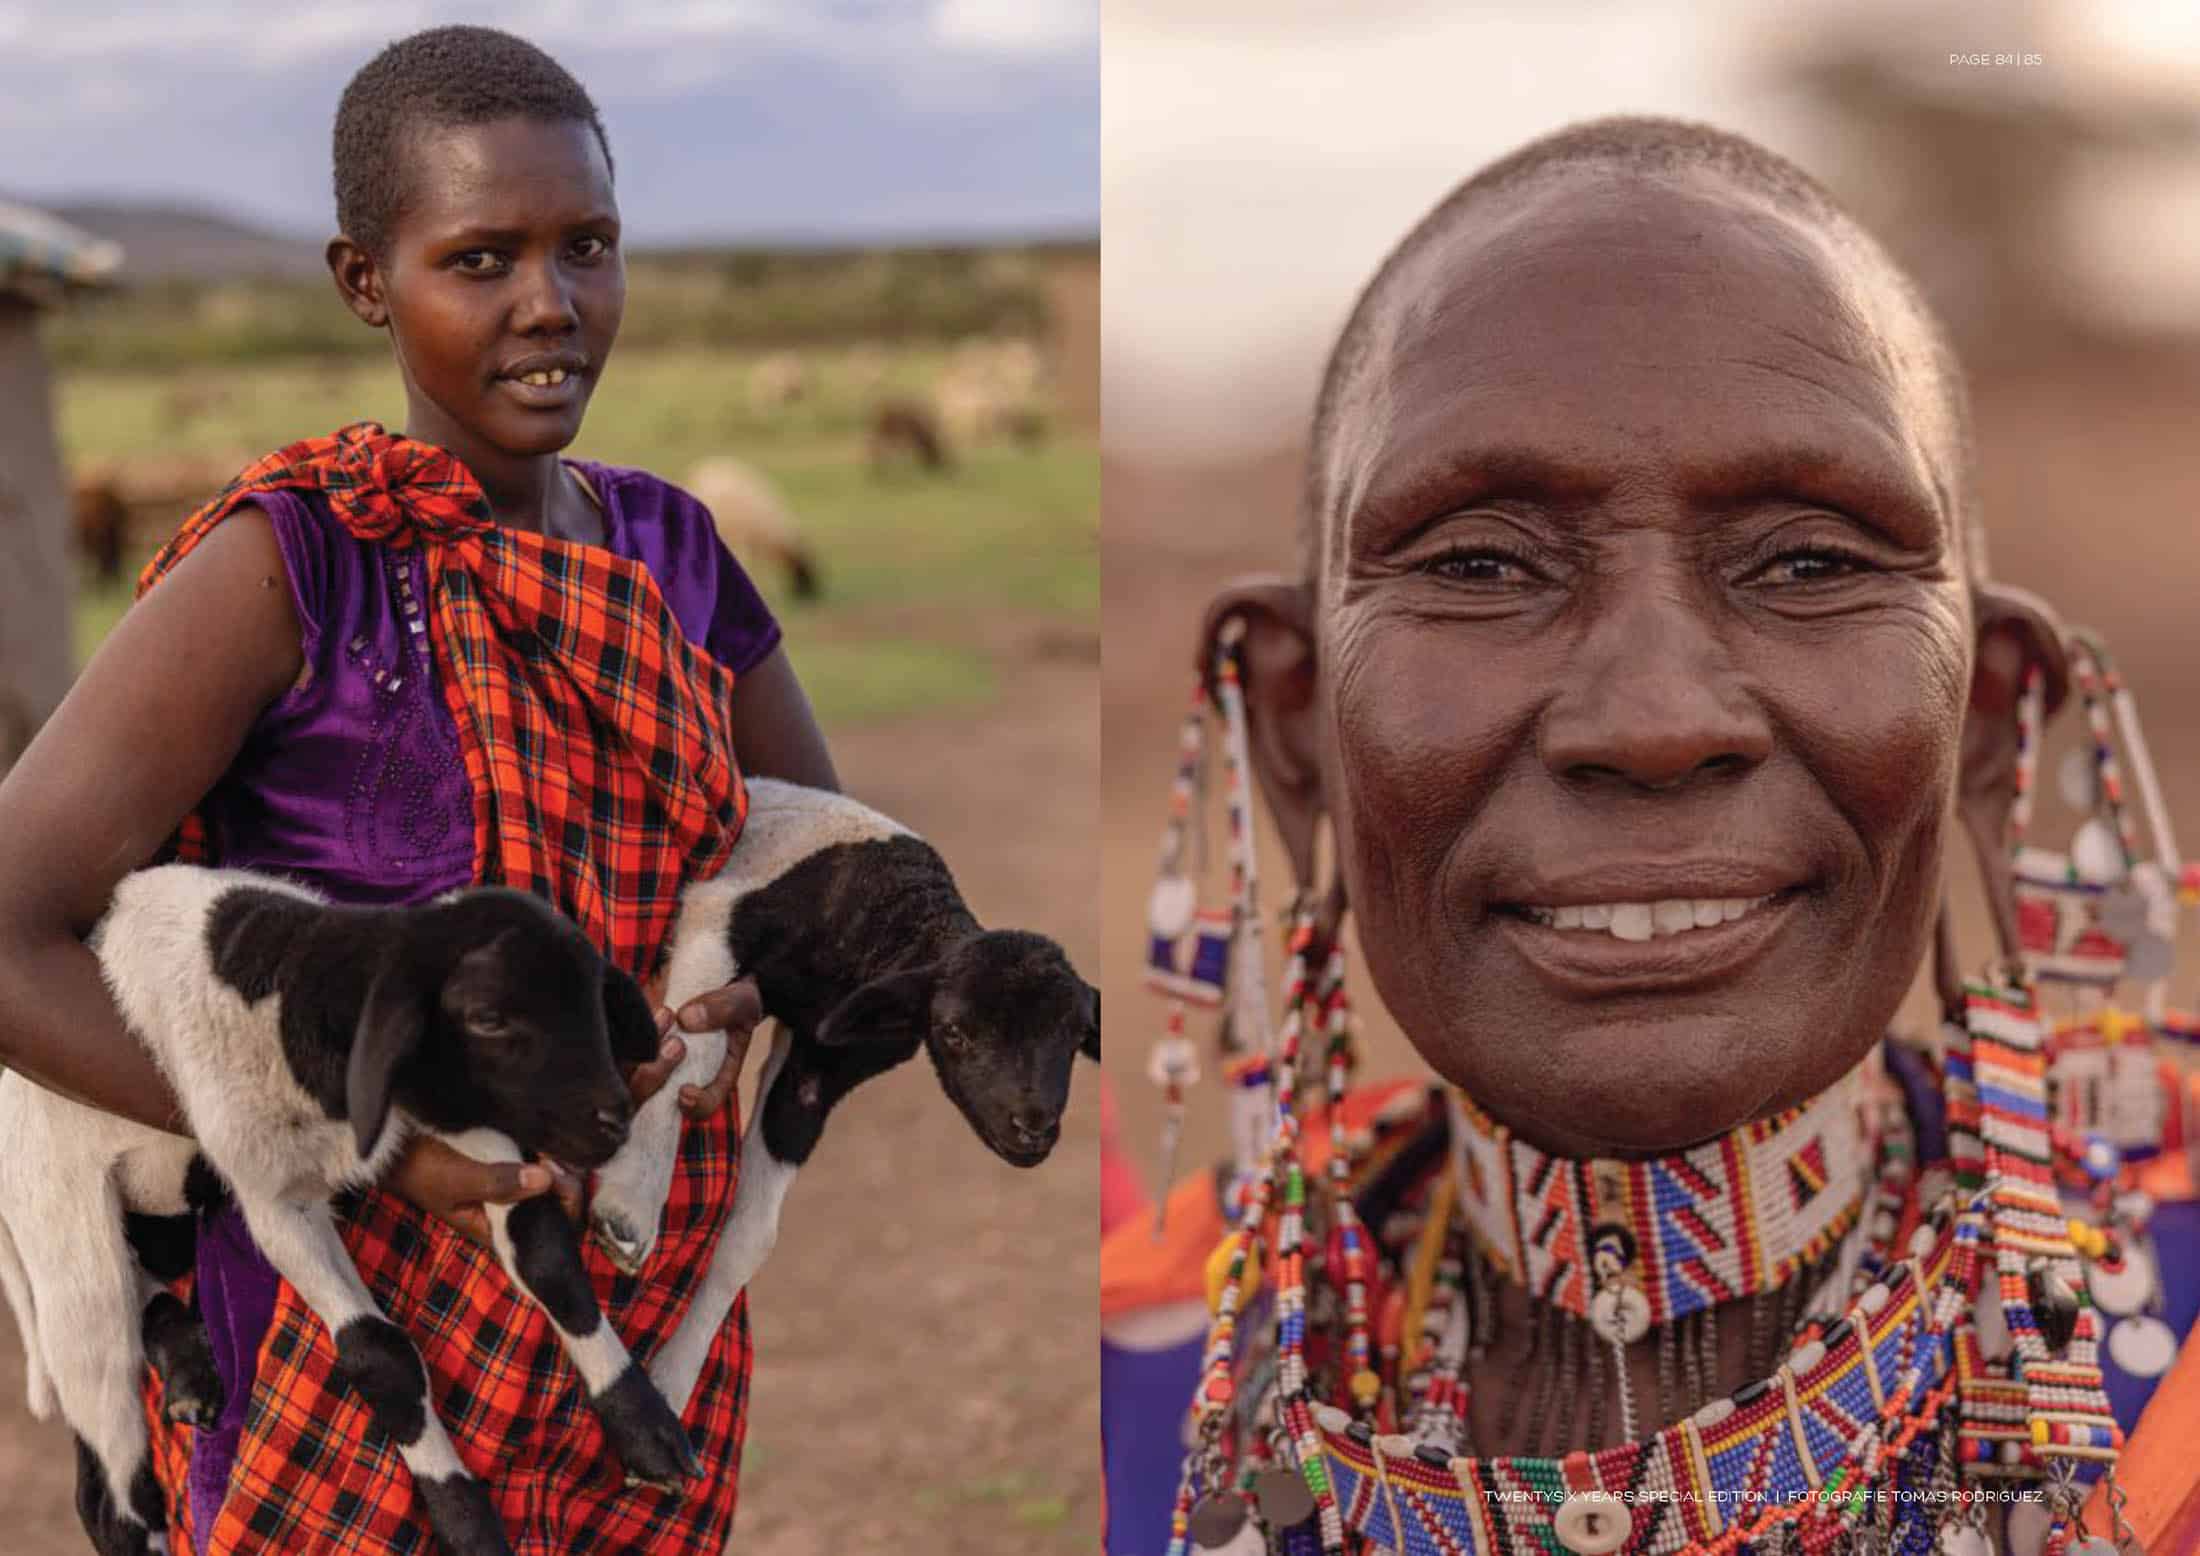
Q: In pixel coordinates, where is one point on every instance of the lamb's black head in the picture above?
(1004, 1016)
(496, 1011)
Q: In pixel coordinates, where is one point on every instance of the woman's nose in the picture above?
(546, 304)
(1653, 699)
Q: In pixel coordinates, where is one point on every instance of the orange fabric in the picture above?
(2158, 1470)
(597, 742)
(1137, 1272)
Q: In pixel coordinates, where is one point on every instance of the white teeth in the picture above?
(544, 378)
(1639, 921)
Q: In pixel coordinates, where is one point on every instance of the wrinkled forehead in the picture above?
(1599, 328)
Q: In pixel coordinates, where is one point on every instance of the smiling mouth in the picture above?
(1596, 950)
(1639, 921)
(544, 388)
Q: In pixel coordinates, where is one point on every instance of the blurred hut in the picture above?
(41, 261)
(2015, 192)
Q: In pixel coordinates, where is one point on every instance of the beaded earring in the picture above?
(2100, 916)
(2031, 1404)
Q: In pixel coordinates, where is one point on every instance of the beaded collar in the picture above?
(1726, 1219)
(1819, 1431)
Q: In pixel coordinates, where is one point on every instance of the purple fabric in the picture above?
(352, 783)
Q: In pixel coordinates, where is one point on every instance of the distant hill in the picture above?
(186, 243)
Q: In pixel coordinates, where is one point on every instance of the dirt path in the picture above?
(927, 1379)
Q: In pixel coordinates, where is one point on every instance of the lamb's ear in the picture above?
(626, 1012)
(392, 1024)
(894, 1009)
(1090, 1047)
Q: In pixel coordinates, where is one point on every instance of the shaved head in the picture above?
(1417, 275)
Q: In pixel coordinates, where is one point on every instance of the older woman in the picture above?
(1641, 655)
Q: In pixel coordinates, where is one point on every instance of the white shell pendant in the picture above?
(2079, 779)
(1620, 1313)
(2124, 1289)
(2096, 853)
(1172, 907)
(1993, 1328)
(2143, 1346)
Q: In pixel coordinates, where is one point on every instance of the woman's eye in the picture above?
(1479, 567)
(591, 248)
(1811, 565)
(479, 262)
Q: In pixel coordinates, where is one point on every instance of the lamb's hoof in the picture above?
(645, 1434)
(622, 1245)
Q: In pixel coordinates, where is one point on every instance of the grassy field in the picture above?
(921, 572)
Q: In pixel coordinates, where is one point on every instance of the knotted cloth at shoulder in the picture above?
(596, 737)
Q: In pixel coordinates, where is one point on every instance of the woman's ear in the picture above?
(2017, 633)
(358, 280)
(1278, 673)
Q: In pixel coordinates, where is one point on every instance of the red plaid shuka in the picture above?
(595, 738)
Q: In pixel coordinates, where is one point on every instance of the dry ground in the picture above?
(927, 1378)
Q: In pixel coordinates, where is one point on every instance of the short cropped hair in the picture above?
(1648, 147)
(438, 79)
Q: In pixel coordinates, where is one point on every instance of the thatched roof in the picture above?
(42, 257)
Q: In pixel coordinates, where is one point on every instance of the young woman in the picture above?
(389, 666)
(1641, 657)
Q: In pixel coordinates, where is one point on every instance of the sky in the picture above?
(757, 119)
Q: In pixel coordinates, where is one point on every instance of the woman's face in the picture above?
(1644, 645)
(504, 267)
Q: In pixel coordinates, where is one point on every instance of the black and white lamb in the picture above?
(864, 953)
(305, 1043)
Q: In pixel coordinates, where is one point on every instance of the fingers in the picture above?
(702, 1101)
(737, 1007)
(571, 1189)
(646, 1080)
(453, 1187)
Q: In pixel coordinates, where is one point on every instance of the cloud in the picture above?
(817, 116)
(1018, 26)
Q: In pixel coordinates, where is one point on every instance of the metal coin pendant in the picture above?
(1172, 906)
(2025, 1534)
(2096, 853)
(2149, 957)
(1216, 1520)
(2143, 1346)
(2123, 913)
(1283, 1497)
(1963, 1540)
(2124, 1289)
(2079, 778)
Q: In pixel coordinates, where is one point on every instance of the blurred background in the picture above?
(863, 323)
(1260, 159)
